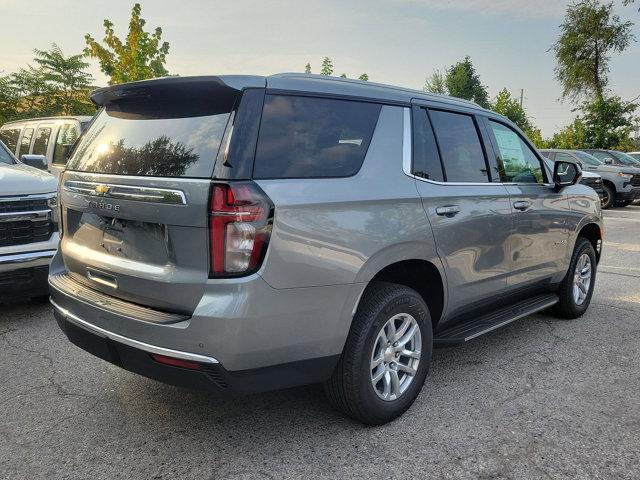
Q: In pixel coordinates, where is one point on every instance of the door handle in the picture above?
(448, 210)
(521, 205)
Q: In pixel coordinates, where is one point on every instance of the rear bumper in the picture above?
(136, 357)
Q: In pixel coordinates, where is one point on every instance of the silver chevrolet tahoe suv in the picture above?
(28, 228)
(243, 233)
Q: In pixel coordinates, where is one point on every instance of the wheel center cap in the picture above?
(389, 355)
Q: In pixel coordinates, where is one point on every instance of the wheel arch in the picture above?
(592, 232)
(421, 275)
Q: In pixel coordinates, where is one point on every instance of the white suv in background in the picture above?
(28, 227)
(44, 142)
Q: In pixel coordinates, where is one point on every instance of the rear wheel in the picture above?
(386, 357)
(609, 194)
(576, 289)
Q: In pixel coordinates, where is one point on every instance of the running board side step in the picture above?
(463, 332)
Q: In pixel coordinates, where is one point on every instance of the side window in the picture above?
(460, 147)
(41, 141)
(519, 163)
(25, 142)
(9, 137)
(67, 136)
(426, 159)
(313, 137)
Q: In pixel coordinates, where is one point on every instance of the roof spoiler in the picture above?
(204, 95)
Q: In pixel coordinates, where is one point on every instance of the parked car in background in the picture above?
(28, 228)
(621, 184)
(243, 233)
(614, 157)
(589, 179)
(635, 155)
(47, 141)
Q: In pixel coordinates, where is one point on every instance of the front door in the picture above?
(539, 241)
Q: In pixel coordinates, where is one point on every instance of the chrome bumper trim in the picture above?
(25, 260)
(129, 341)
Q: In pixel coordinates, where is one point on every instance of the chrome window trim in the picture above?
(130, 341)
(127, 192)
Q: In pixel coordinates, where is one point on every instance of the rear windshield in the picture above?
(313, 137)
(140, 143)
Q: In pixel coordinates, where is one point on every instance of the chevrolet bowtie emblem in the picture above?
(102, 189)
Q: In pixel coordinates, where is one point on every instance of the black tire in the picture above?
(609, 196)
(350, 389)
(567, 307)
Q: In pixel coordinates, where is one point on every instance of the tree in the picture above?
(30, 92)
(573, 136)
(343, 75)
(590, 33)
(364, 77)
(8, 100)
(436, 83)
(67, 81)
(505, 105)
(327, 67)
(510, 107)
(463, 81)
(307, 68)
(139, 57)
(608, 122)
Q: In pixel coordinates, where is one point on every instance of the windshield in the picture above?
(626, 159)
(5, 156)
(588, 159)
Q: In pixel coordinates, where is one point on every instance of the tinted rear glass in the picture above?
(313, 137)
(460, 147)
(146, 143)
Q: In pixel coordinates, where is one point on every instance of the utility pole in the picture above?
(521, 96)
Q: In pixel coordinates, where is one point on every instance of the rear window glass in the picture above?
(145, 144)
(460, 147)
(313, 137)
(9, 137)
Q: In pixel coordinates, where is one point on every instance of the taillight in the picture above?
(240, 221)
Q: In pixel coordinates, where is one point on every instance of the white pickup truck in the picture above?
(28, 228)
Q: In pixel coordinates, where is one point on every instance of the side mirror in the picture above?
(566, 174)
(37, 161)
(608, 161)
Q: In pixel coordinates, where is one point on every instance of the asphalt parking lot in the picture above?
(540, 398)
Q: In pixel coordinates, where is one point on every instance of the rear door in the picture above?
(135, 195)
(470, 214)
(540, 238)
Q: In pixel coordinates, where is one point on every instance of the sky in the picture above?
(398, 42)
